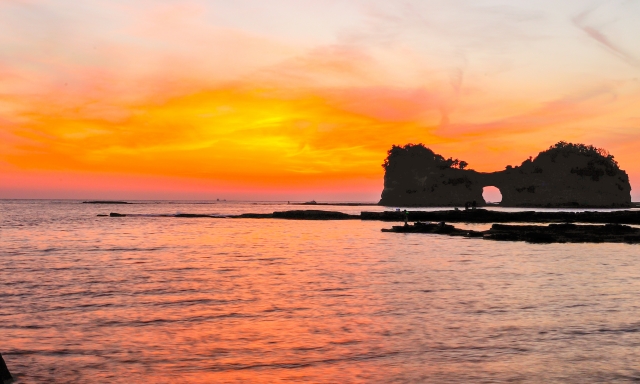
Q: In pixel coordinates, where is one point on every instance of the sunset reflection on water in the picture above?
(148, 299)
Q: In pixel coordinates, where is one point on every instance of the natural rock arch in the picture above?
(574, 175)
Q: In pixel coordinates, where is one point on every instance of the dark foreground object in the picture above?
(5, 375)
(552, 233)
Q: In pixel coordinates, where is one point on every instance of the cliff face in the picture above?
(416, 176)
(564, 175)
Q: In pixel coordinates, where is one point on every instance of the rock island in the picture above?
(565, 175)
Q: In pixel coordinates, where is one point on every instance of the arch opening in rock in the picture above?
(491, 195)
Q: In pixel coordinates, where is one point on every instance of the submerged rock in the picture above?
(5, 375)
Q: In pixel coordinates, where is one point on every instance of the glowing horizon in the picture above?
(301, 100)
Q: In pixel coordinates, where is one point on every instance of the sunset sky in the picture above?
(301, 99)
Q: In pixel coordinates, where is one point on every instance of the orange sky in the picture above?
(301, 100)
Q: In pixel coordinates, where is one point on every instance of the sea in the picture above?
(153, 298)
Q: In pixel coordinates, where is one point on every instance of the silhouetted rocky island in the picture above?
(565, 175)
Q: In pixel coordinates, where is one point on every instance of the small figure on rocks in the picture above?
(5, 375)
(466, 206)
(473, 204)
(406, 217)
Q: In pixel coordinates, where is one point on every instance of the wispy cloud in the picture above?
(598, 35)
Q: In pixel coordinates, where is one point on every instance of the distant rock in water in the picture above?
(313, 215)
(105, 202)
(565, 175)
(5, 375)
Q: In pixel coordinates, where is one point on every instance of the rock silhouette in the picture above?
(105, 202)
(565, 175)
(455, 216)
(552, 233)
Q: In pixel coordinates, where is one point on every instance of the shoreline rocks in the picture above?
(545, 234)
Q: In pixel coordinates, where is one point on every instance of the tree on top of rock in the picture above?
(418, 156)
(597, 161)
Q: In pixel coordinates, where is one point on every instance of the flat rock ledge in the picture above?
(314, 215)
(105, 202)
(5, 375)
(552, 233)
(489, 216)
(450, 216)
(310, 214)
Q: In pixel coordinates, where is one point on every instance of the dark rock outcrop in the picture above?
(565, 175)
(565, 233)
(552, 233)
(416, 176)
(631, 216)
(105, 202)
(490, 216)
(313, 215)
(5, 375)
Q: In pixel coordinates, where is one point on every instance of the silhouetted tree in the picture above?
(598, 160)
(417, 155)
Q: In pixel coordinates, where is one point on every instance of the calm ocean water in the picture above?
(144, 299)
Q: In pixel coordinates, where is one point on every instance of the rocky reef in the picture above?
(565, 175)
(627, 216)
(105, 202)
(630, 216)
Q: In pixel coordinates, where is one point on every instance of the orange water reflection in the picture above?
(156, 300)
